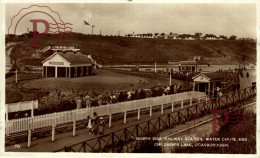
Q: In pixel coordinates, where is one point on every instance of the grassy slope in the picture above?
(138, 50)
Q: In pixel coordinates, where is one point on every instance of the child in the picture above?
(89, 125)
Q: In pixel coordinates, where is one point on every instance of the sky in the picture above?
(123, 18)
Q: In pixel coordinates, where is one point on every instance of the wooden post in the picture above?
(74, 128)
(194, 84)
(43, 71)
(151, 111)
(16, 75)
(172, 106)
(32, 108)
(6, 112)
(6, 119)
(66, 74)
(46, 75)
(138, 115)
(29, 138)
(56, 72)
(162, 109)
(69, 72)
(53, 133)
(110, 120)
(182, 104)
(125, 117)
(191, 102)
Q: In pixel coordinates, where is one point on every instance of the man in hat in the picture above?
(94, 120)
(101, 125)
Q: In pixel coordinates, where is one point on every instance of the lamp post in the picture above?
(16, 75)
(170, 77)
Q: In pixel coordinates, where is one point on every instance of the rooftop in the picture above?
(212, 75)
(75, 58)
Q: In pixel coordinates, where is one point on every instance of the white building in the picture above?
(67, 64)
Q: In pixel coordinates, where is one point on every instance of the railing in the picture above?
(21, 106)
(51, 120)
(113, 139)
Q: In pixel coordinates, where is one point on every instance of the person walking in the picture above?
(94, 120)
(89, 125)
(101, 128)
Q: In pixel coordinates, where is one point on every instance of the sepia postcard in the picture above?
(145, 78)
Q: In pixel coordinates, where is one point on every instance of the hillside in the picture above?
(126, 50)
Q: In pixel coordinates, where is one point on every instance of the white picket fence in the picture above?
(53, 119)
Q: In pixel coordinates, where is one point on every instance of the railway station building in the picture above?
(67, 64)
(208, 82)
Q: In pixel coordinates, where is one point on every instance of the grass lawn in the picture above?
(102, 79)
(12, 97)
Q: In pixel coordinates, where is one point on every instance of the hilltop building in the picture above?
(203, 64)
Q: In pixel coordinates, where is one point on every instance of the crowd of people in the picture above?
(186, 76)
(93, 99)
(63, 99)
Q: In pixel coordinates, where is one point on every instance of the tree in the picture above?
(233, 37)
(198, 35)
(223, 37)
(149, 34)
